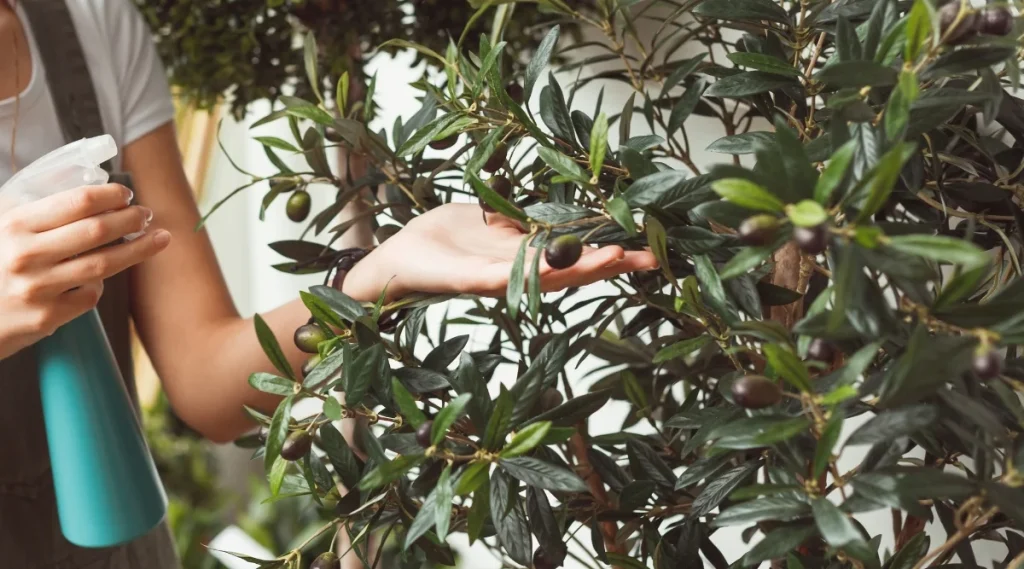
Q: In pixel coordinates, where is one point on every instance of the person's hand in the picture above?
(451, 249)
(51, 267)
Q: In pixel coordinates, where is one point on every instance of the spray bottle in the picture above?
(107, 488)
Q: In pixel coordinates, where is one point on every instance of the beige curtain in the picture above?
(197, 142)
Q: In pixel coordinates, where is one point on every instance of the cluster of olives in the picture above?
(993, 21)
(761, 230)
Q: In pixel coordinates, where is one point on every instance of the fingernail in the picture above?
(162, 238)
(149, 217)
(129, 197)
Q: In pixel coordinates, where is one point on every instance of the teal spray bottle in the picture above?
(107, 488)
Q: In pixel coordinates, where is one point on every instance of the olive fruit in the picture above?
(501, 186)
(326, 561)
(424, 434)
(996, 22)
(820, 350)
(310, 364)
(308, 337)
(542, 561)
(332, 135)
(550, 398)
(298, 206)
(563, 251)
(515, 92)
(263, 434)
(811, 240)
(445, 143)
(497, 159)
(965, 29)
(759, 230)
(755, 392)
(987, 365)
(296, 446)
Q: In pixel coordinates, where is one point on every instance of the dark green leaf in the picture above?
(764, 62)
(575, 409)
(834, 525)
(827, 442)
(742, 10)
(269, 383)
(747, 194)
(719, 488)
(406, 404)
(748, 83)
(446, 417)
(493, 199)
(777, 543)
(277, 432)
(773, 508)
(271, 348)
(509, 520)
(540, 474)
(498, 424)
(526, 440)
(539, 61)
(940, 249)
(648, 465)
(788, 366)
(894, 423)
(857, 74)
(341, 456)
(745, 143)
(348, 309)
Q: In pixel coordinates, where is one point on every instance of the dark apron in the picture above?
(30, 536)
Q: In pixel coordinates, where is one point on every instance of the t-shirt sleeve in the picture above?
(141, 80)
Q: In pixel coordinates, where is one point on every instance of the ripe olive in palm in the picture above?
(996, 21)
(563, 251)
(445, 143)
(424, 434)
(326, 560)
(298, 206)
(756, 392)
(497, 159)
(308, 337)
(759, 230)
(820, 350)
(987, 365)
(501, 186)
(812, 240)
(296, 446)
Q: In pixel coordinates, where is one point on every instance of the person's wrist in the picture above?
(362, 278)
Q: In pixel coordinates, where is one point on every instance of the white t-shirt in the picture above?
(127, 75)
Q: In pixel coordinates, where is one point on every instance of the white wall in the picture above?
(240, 240)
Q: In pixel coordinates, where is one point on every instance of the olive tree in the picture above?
(833, 332)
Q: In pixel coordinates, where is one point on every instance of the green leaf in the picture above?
(539, 61)
(897, 112)
(711, 286)
(406, 404)
(390, 471)
(332, 409)
(424, 520)
(509, 519)
(623, 561)
(773, 508)
(879, 188)
(619, 210)
(652, 188)
(807, 213)
(743, 262)
(348, 309)
(277, 432)
(563, 164)
(657, 241)
(364, 372)
(526, 440)
(746, 143)
(626, 118)
(446, 417)
(483, 152)
(857, 74)
(341, 94)
(542, 475)
(742, 11)
(745, 193)
(834, 173)
(501, 416)
(341, 456)
(777, 543)
(555, 113)
(911, 553)
(493, 199)
(274, 142)
(647, 465)
(321, 310)
(479, 512)
(827, 442)
(748, 83)
(682, 349)
(764, 62)
(598, 144)
(788, 366)
(517, 280)
(834, 525)
(276, 475)
(472, 478)
(719, 488)
(685, 106)
(919, 29)
(894, 423)
(424, 136)
(443, 495)
(310, 57)
(271, 348)
(684, 69)
(306, 110)
(270, 383)
(575, 409)
(940, 249)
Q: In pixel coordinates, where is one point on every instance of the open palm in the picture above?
(452, 249)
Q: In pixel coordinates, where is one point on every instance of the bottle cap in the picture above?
(99, 149)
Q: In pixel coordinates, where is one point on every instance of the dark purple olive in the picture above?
(759, 230)
(756, 392)
(497, 159)
(811, 240)
(542, 561)
(987, 365)
(515, 92)
(445, 143)
(821, 350)
(424, 434)
(562, 252)
(996, 22)
(966, 29)
(296, 446)
(501, 186)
